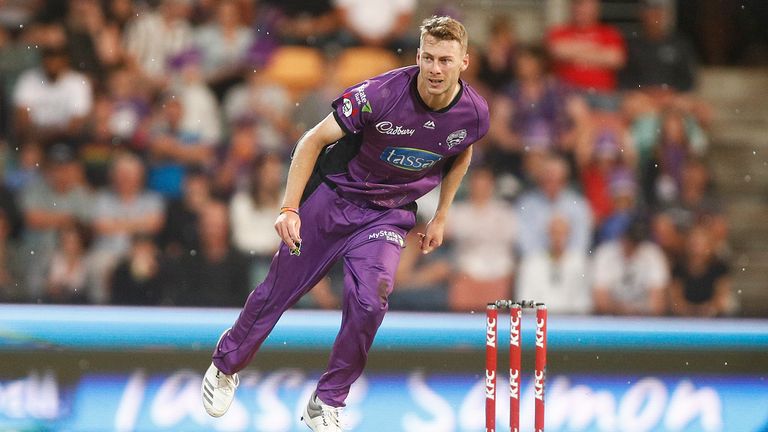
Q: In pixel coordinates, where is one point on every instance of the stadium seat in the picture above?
(360, 63)
(297, 68)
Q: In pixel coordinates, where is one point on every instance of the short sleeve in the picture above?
(354, 108)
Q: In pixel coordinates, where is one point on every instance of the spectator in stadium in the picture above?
(26, 168)
(630, 275)
(174, 148)
(268, 105)
(238, 159)
(52, 102)
(179, 235)
(537, 103)
(484, 257)
(700, 204)
(10, 271)
(201, 115)
(252, 211)
(588, 54)
(496, 64)
(93, 45)
(610, 155)
(557, 276)
(421, 281)
(49, 203)
(154, 37)
(701, 283)
(130, 104)
(120, 213)
(224, 44)
(623, 190)
(302, 22)
(378, 24)
(658, 59)
(142, 277)
(552, 196)
(662, 175)
(217, 274)
(68, 273)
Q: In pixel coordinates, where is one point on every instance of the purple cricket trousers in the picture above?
(369, 240)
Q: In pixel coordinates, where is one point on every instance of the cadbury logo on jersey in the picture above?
(410, 159)
(387, 128)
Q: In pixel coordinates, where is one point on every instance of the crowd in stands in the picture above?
(144, 147)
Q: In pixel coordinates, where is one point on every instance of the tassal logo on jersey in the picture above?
(410, 159)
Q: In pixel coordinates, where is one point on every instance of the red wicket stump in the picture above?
(515, 362)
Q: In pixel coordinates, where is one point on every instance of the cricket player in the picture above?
(350, 195)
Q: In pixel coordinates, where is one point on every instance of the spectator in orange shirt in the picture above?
(586, 53)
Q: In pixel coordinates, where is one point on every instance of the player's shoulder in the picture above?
(480, 108)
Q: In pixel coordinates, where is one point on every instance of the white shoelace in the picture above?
(228, 382)
(332, 415)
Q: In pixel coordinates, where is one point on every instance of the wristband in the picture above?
(289, 209)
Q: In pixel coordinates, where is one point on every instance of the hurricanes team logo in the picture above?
(455, 138)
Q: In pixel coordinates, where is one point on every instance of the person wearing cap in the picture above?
(51, 103)
(631, 274)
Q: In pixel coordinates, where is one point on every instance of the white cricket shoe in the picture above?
(218, 391)
(321, 417)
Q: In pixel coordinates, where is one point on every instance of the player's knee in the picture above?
(374, 300)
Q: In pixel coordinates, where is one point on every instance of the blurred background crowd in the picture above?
(144, 147)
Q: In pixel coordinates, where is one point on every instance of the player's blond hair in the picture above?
(444, 28)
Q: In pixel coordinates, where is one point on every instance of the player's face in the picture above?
(440, 64)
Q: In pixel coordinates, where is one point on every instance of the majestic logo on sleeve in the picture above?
(387, 128)
(410, 159)
(455, 138)
(346, 107)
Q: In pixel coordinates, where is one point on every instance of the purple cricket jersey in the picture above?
(404, 147)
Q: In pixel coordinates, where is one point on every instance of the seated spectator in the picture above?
(630, 275)
(27, 167)
(497, 63)
(237, 159)
(201, 108)
(99, 146)
(698, 204)
(52, 103)
(252, 214)
(484, 257)
(622, 187)
(119, 214)
(142, 277)
(701, 283)
(535, 100)
(302, 22)
(55, 200)
(173, 149)
(610, 157)
(93, 45)
(378, 24)
(588, 54)
(224, 43)
(657, 57)
(154, 37)
(68, 274)
(557, 276)
(130, 104)
(421, 280)
(217, 274)
(179, 235)
(268, 105)
(552, 196)
(662, 175)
